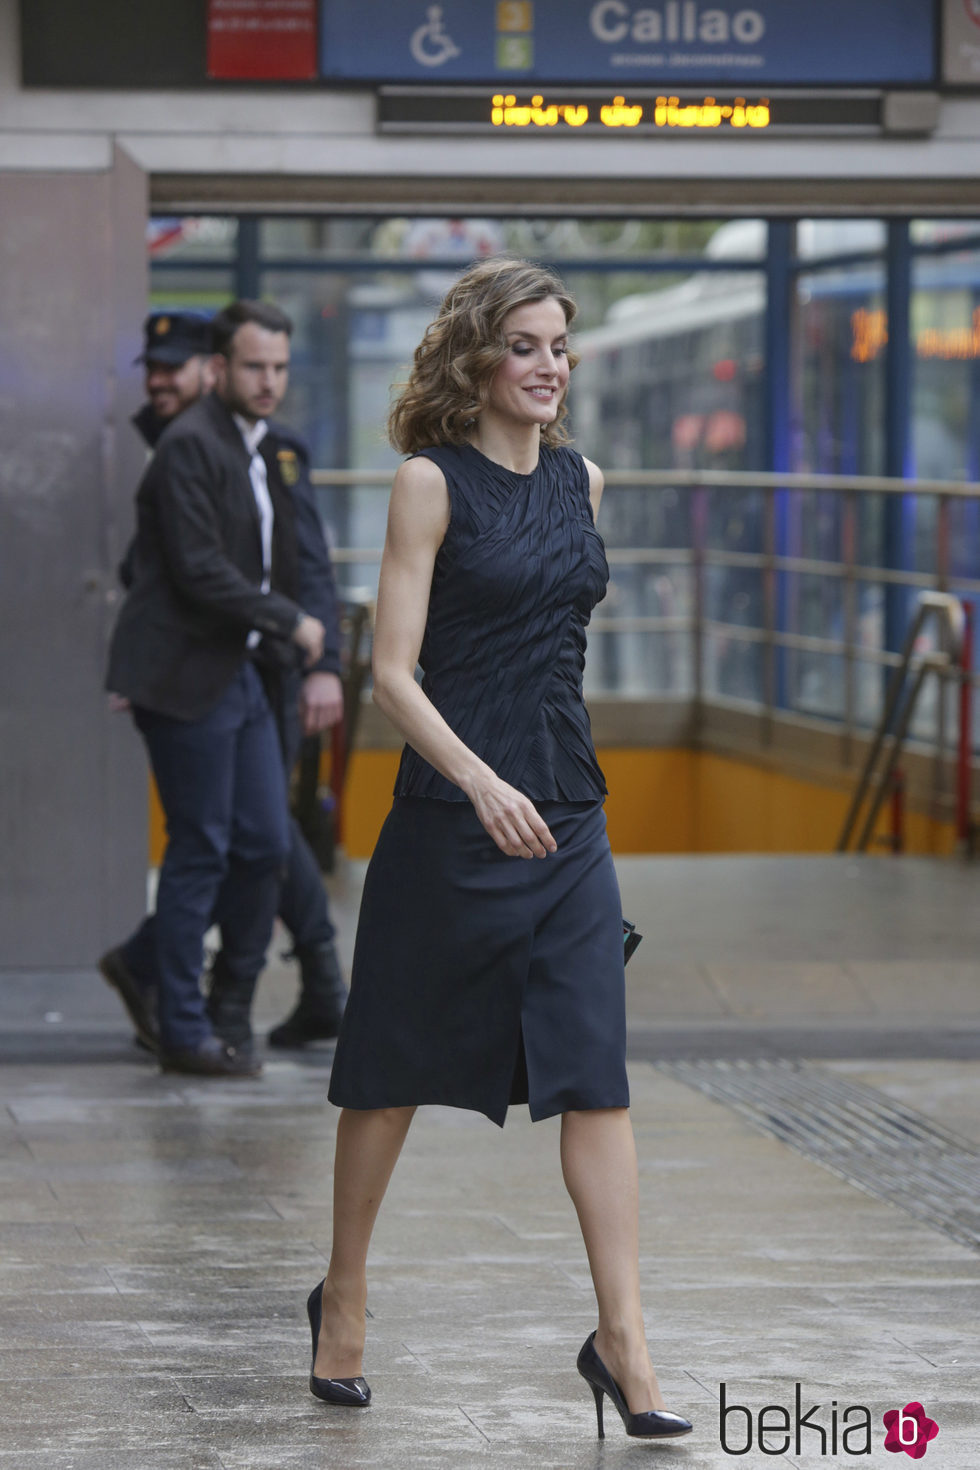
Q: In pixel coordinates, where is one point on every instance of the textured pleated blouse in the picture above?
(514, 584)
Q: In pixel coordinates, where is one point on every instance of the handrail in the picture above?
(694, 644)
(951, 617)
(720, 479)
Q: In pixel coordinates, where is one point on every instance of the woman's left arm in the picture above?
(596, 483)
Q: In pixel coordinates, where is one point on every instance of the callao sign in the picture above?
(767, 43)
(676, 21)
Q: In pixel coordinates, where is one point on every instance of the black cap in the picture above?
(174, 336)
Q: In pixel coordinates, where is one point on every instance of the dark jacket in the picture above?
(197, 571)
(288, 460)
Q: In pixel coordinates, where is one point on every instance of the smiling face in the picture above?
(171, 387)
(530, 383)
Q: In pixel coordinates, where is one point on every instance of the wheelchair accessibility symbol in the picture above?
(430, 45)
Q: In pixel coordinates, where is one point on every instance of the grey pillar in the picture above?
(73, 786)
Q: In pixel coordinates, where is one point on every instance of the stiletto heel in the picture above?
(653, 1424)
(597, 1392)
(351, 1393)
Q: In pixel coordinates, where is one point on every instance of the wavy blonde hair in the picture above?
(455, 363)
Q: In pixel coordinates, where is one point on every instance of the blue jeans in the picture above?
(223, 794)
(303, 908)
(303, 905)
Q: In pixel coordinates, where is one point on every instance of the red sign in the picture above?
(262, 40)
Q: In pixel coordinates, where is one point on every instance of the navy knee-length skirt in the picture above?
(481, 980)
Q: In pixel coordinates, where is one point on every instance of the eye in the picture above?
(521, 349)
(561, 350)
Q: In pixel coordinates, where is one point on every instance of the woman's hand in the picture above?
(510, 818)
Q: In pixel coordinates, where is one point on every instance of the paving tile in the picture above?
(902, 987)
(662, 992)
(87, 1202)
(789, 989)
(80, 1338)
(46, 1278)
(30, 1200)
(158, 1237)
(91, 1411)
(152, 1456)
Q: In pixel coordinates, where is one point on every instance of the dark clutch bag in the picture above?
(630, 940)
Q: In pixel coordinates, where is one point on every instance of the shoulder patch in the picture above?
(288, 465)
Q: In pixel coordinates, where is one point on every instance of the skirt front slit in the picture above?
(481, 980)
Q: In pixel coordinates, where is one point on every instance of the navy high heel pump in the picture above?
(654, 1424)
(351, 1393)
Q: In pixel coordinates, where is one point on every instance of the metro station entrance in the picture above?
(814, 345)
(769, 219)
(788, 344)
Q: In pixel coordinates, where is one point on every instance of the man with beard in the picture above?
(178, 371)
(210, 628)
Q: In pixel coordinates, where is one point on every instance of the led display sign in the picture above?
(869, 336)
(664, 112)
(563, 111)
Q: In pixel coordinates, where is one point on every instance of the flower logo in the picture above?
(909, 1429)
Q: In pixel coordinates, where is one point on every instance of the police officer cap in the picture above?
(174, 336)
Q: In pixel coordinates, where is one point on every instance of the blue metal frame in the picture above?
(248, 267)
(899, 510)
(781, 268)
(778, 416)
(681, 265)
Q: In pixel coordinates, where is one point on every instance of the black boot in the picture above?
(320, 1007)
(140, 1000)
(229, 1007)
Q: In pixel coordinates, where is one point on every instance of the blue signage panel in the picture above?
(752, 43)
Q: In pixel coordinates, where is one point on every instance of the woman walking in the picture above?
(488, 965)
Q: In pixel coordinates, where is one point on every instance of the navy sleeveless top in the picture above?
(514, 584)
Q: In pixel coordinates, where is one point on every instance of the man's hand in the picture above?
(119, 704)
(309, 634)
(321, 702)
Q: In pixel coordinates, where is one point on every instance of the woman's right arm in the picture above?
(418, 517)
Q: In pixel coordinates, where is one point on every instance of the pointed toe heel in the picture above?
(349, 1393)
(653, 1424)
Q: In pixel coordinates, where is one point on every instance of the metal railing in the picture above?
(772, 641)
(876, 784)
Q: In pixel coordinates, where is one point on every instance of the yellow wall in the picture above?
(741, 807)
(671, 800)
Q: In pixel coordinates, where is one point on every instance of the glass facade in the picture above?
(787, 598)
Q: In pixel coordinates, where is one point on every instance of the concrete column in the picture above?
(72, 777)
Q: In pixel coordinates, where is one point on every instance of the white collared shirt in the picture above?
(253, 434)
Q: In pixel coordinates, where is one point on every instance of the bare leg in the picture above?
(368, 1145)
(598, 1159)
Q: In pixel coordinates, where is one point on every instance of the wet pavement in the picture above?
(804, 1037)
